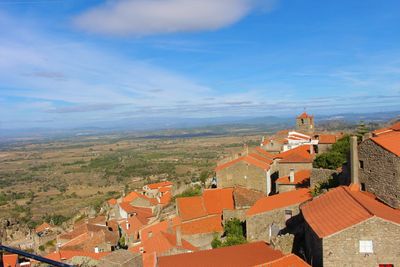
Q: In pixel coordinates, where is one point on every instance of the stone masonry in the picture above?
(258, 225)
(380, 172)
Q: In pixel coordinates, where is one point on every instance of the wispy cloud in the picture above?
(146, 17)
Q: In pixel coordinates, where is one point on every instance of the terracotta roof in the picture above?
(44, 226)
(279, 201)
(216, 200)
(290, 260)
(265, 153)
(389, 141)
(300, 154)
(134, 225)
(10, 260)
(299, 177)
(341, 208)
(262, 158)
(159, 227)
(244, 197)
(162, 242)
(143, 213)
(304, 115)
(159, 185)
(166, 198)
(68, 254)
(149, 259)
(203, 225)
(112, 202)
(134, 195)
(250, 159)
(327, 138)
(249, 254)
(191, 207)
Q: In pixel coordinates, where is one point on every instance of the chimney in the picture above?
(127, 225)
(291, 176)
(178, 236)
(312, 149)
(96, 250)
(354, 160)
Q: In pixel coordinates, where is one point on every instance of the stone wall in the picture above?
(284, 168)
(243, 174)
(236, 213)
(281, 188)
(258, 226)
(322, 148)
(202, 241)
(380, 172)
(320, 175)
(342, 249)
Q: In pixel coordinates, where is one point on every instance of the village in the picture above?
(268, 205)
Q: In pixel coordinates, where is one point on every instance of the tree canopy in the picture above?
(336, 156)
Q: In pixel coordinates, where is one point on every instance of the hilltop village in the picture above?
(268, 205)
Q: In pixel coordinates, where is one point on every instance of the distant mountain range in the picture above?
(222, 125)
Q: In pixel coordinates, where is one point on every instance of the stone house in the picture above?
(154, 190)
(348, 227)
(270, 214)
(126, 211)
(305, 123)
(325, 141)
(379, 165)
(293, 181)
(130, 229)
(299, 158)
(44, 233)
(201, 216)
(252, 171)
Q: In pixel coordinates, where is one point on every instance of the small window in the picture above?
(361, 164)
(366, 246)
(362, 186)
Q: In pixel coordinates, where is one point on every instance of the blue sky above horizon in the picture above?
(69, 63)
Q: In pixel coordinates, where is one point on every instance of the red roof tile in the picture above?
(203, 225)
(299, 177)
(44, 226)
(341, 208)
(290, 260)
(300, 154)
(191, 207)
(134, 195)
(112, 202)
(249, 254)
(68, 254)
(133, 223)
(253, 159)
(389, 141)
(159, 227)
(166, 198)
(265, 153)
(304, 115)
(160, 184)
(162, 242)
(216, 200)
(327, 138)
(10, 260)
(279, 201)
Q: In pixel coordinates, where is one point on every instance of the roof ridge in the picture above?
(358, 202)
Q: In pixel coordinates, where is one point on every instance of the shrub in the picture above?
(336, 156)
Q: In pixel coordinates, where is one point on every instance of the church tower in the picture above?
(305, 123)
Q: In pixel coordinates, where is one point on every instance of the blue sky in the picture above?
(70, 63)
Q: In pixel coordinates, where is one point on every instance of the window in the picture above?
(362, 186)
(366, 246)
(361, 164)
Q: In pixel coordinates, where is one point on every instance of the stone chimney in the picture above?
(312, 149)
(291, 176)
(178, 236)
(354, 160)
(127, 225)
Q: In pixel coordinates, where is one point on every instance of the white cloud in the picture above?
(146, 17)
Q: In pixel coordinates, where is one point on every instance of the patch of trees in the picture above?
(234, 234)
(336, 156)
